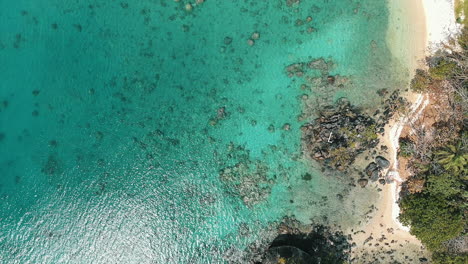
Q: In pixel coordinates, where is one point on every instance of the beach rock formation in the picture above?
(374, 169)
(318, 246)
(339, 135)
(382, 162)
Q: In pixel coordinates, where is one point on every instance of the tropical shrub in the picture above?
(431, 219)
(442, 70)
(420, 82)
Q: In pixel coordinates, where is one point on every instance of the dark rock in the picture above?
(319, 64)
(292, 2)
(227, 40)
(221, 112)
(371, 168)
(382, 181)
(319, 245)
(333, 133)
(382, 162)
(307, 177)
(363, 182)
(375, 175)
(288, 253)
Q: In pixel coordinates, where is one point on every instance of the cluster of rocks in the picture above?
(374, 171)
(292, 2)
(255, 36)
(300, 68)
(339, 135)
(220, 114)
(292, 241)
(320, 245)
(247, 178)
(315, 77)
(393, 103)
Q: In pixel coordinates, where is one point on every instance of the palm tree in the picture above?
(453, 158)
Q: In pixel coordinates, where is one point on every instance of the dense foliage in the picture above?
(435, 204)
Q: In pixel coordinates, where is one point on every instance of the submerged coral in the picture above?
(248, 178)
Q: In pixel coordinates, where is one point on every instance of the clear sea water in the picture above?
(110, 143)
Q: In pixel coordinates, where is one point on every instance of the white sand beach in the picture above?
(416, 29)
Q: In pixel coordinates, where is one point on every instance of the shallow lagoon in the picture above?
(118, 117)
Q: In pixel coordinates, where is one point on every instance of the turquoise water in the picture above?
(112, 137)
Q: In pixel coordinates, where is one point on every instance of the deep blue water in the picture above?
(113, 135)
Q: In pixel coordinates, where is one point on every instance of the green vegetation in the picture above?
(406, 149)
(453, 158)
(461, 10)
(420, 82)
(442, 70)
(445, 258)
(431, 219)
(436, 202)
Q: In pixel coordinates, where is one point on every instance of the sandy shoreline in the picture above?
(416, 28)
(439, 17)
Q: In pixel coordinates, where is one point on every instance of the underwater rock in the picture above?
(255, 36)
(307, 177)
(227, 40)
(319, 64)
(293, 69)
(287, 127)
(250, 42)
(318, 246)
(247, 178)
(310, 29)
(221, 113)
(52, 166)
(382, 162)
(292, 2)
(271, 128)
(363, 182)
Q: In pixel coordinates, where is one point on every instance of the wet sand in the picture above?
(383, 238)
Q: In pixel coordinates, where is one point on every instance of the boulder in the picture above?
(375, 175)
(382, 162)
(227, 40)
(287, 254)
(371, 168)
(363, 182)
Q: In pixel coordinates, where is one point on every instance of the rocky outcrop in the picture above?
(382, 162)
(374, 169)
(339, 135)
(318, 246)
